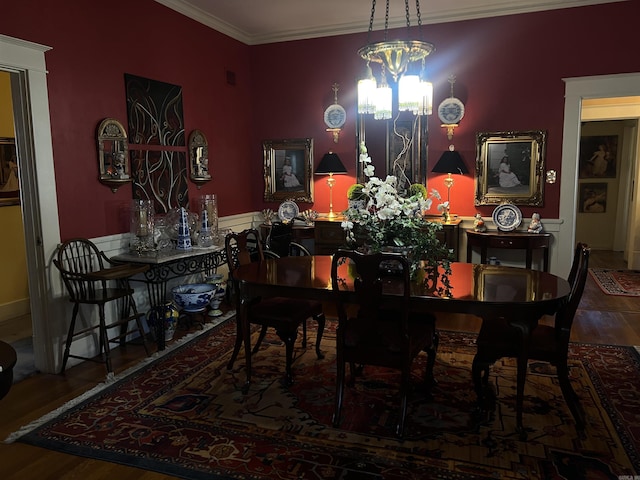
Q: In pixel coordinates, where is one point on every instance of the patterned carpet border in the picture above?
(183, 415)
(617, 282)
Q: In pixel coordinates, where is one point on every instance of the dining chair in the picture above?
(377, 332)
(280, 243)
(91, 278)
(284, 314)
(549, 343)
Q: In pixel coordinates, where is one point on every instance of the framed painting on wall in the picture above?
(598, 156)
(9, 183)
(592, 197)
(288, 166)
(509, 167)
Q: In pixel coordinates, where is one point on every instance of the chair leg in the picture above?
(138, 319)
(480, 376)
(104, 339)
(432, 351)
(321, 322)
(288, 336)
(570, 396)
(340, 374)
(404, 395)
(263, 333)
(304, 333)
(237, 345)
(67, 347)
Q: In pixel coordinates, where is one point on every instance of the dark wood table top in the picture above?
(477, 289)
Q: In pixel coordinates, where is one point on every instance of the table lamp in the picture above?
(331, 165)
(450, 162)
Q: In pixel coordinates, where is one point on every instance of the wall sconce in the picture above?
(450, 162)
(331, 165)
(451, 111)
(335, 116)
(113, 154)
(199, 157)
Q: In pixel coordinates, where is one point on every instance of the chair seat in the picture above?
(497, 339)
(382, 336)
(104, 296)
(281, 310)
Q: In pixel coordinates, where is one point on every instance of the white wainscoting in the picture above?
(113, 245)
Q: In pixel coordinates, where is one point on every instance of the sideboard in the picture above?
(509, 240)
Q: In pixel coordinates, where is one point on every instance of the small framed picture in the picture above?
(598, 156)
(593, 197)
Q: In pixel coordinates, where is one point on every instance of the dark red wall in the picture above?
(93, 45)
(509, 74)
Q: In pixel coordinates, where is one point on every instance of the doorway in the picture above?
(25, 61)
(605, 175)
(577, 91)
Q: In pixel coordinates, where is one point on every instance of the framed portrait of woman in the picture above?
(287, 170)
(509, 167)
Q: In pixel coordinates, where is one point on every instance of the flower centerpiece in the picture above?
(387, 221)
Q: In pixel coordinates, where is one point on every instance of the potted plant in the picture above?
(389, 221)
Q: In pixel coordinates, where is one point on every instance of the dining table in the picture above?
(486, 291)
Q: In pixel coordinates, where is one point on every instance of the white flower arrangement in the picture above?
(387, 219)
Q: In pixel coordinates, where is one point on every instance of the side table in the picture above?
(509, 240)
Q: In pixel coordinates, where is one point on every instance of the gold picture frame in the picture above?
(288, 169)
(510, 167)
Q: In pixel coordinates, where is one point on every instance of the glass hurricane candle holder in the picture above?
(142, 226)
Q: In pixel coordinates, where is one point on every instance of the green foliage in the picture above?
(418, 189)
(355, 192)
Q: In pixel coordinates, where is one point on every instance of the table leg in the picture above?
(529, 260)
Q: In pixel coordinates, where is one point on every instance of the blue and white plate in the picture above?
(288, 211)
(507, 217)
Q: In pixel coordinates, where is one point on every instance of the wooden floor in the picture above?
(600, 319)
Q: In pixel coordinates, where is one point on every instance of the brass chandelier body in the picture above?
(395, 55)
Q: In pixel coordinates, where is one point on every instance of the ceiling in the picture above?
(256, 22)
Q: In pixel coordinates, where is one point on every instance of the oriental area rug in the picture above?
(617, 282)
(184, 415)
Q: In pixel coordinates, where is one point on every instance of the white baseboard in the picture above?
(14, 309)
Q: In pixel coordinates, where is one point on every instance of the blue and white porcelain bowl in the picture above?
(193, 297)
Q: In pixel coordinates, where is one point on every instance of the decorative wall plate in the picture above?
(507, 217)
(288, 211)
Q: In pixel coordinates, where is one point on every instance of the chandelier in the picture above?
(396, 57)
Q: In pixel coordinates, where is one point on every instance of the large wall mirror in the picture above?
(113, 154)
(397, 146)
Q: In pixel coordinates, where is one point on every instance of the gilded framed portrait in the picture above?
(510, 167)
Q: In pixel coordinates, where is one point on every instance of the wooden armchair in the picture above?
(283, 314)
(92, 279)
(498, 339)
(381, 333)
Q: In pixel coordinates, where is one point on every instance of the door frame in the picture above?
(577, 89)
(25, 61)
